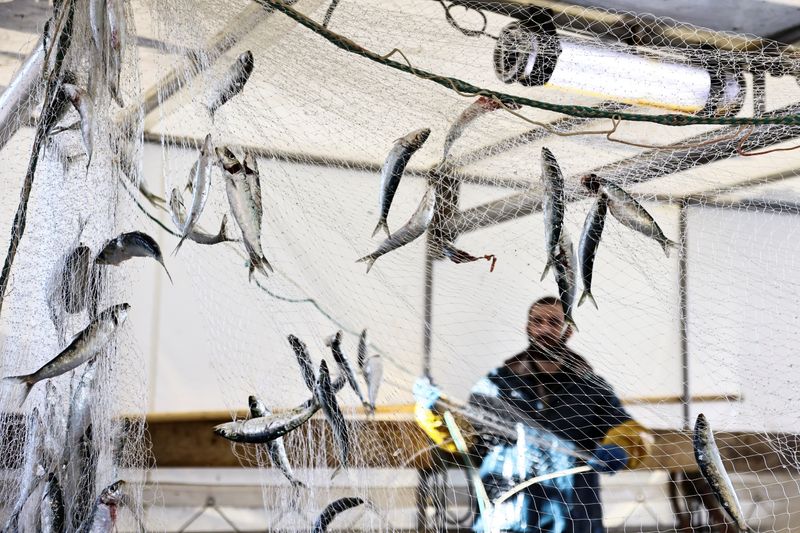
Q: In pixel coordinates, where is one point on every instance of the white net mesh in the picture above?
(697, 126)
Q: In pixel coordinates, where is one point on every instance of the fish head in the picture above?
(417, 138)
(592, 182)
(72, 92)
(206, 150)
(228, 160)
(114, 493)
(250, 164)
(246, 61)
(119, 313)
(228, 431)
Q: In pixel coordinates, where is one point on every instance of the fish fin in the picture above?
(369, 260)
(261, 264)
(180, 243)
(336, 471)
(568, 320)
(667, 244)
(546, 269)
(21, 380)
(587, 294)
(382, 225)
(223, 227)
(167, 271)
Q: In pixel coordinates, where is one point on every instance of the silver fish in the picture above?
(82, 348)
(373, 374)
(79, 416)
(552, 206)
(344, 365)
(115, 37)
(83, 105)
(178, 214)
(233, 82)
(392, 172)
(476, 109)
(201, 184)
(565, 276)
(127, 245)
(590, 241)
(21, 94)
(275, 448)
(628, 211)
(331, 510)
(246, 213)
(304, 360)
(104, 513)
(330, 407)
(362, 349)
(97, 22)
(266, 428)
(80, 475)
(708, 459)
(52, 507)
(250, 166)
(414, 228)
(30, 479)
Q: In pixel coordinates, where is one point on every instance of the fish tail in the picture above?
(180, 243)
(587, 294)
(297, 485)
(223, 227)
(26, 380)
(369, 260)
(667, 244)
(167, 271)
(382, 225)
(568, 320)
(546, 269)
(336, 471)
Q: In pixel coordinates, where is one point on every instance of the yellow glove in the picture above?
(634, 438)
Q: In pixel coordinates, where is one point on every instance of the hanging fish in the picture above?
(275, 448)
(590, 241)
(127, 245)
(245, 211)
(373, 375)
(103, 516)
(97, 22)
(304, 360)
(414, 228)
(201, 184)
(475, 110)
(83, 105)
(460, 256)
(74, 280)
(326, 398)
(710, 462)
(233, 81)
(362, 349)
(115, 37)
(552, 206)
(178, 214)
(79, 416)
(344, 365)
(52, 506)
(392, 172)
(82, 348)
(79, 483)
(250, 166)
(628, 211)
(267, 428)
(333, 509)
(565, 277)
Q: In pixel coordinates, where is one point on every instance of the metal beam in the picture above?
(683, 310)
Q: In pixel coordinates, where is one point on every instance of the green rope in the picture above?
(462, 86)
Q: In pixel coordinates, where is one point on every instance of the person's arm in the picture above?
(431, 420)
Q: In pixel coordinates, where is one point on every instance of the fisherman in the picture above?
(571, 417)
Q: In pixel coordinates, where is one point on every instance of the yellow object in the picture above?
(433, 425)
(634, 438)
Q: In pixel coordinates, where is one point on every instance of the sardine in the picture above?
(78, 483)
(103, 517)
(97, 22)
(30, 478)
(246, 213)
(331, 510)
(373, 374)
(83, 105)
(552, 206)
(590, 241)
(628, 211)
(304, 360)
(414, 228)
(201, 184)
(266, 428)
(460, 256)
(250, 166)
(330, 407)
(60, 105)
(565, 276)
(82, 348)
(710, 462)
(127, 245)
(233, 82)
(392, 172)
(344, 365)
(79, 417)
(362, 349)
(52, 507)
(178, 214)
(476, 109)
(116, 35)
(275, 448)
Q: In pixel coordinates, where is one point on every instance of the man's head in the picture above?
(546, 323)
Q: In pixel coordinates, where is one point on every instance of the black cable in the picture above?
(466, 31)
(329, 13)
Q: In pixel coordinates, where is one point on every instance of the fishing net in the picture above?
(698, 126)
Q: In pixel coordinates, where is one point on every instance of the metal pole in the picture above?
(683, 310)
(19, 97)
